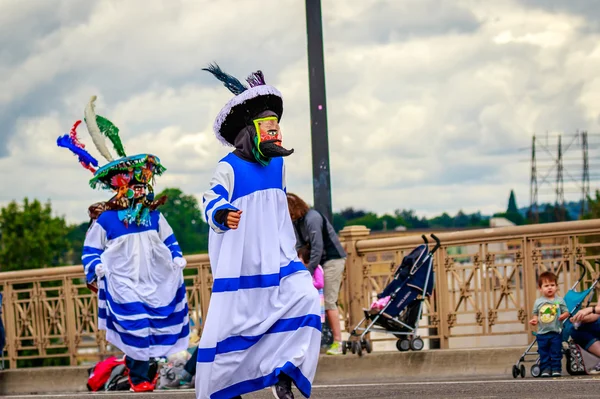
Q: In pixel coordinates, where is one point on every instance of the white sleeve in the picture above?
(93, 247)
(165, 233)
(217, 197)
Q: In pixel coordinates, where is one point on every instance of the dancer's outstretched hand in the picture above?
(233, 219)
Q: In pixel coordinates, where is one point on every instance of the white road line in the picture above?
(466, 382)
(98, 394)
(325, 386)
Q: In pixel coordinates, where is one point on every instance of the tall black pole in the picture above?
(318, 109)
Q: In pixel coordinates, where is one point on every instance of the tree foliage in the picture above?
(593, 210)
(30, 237)
(407, 219)
(185, 217)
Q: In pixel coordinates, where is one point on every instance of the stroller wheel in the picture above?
(417, 344)
(515, 371)
(344, 347)
(403, 345)
(367, 345)
(522, 371)
(359, 349)
(535, 370)
(353, 346)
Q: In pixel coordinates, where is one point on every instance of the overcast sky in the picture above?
(428, 100)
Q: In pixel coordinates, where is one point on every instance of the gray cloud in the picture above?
(387, 22)
(587, 9)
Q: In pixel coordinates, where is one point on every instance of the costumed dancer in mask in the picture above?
(130, 252)
(263, 323)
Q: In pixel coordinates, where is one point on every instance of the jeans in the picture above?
(550, 350)
(138, 370)
(586, 334)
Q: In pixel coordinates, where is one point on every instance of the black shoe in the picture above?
(283, 388)
(556, 373)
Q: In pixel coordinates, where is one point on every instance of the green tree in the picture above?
(76, 237)
(593, 210)
(30, 237)
(410, 219)
(185, 217)
(370, 220)
(512, 203)
(339, 222)
(512, 211)
(442, 221)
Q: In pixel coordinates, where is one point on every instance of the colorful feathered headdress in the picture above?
(119, 173)
(249, 101)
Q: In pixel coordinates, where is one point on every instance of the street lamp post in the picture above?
(318, 110)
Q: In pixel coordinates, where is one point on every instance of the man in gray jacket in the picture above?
(314, 231)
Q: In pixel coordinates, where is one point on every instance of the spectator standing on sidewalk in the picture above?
(315, 232)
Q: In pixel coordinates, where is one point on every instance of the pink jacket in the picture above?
(318, 279)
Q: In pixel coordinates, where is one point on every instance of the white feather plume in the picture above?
(94, 130)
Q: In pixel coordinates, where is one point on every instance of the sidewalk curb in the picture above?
(370, 368)
(417, 366)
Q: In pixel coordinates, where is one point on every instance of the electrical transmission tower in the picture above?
(559, 204)
(553, 158)
(585, 179)
(533, 208)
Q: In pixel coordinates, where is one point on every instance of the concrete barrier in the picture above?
(418, 366)
(370, 368)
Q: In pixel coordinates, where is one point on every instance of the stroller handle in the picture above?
(583, 271)
(596, 281)
(438, 244)
(425, 239)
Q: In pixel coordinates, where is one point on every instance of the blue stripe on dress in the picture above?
(257, 281)
(139, 324)
(221, 194)
(91, 251)
(93, 263)
(252, 176)
(170, 240)
(151, 340)
(176, 251)
(244, 387)
(210, 205)
(91, 272)
(140, 308)
(173, 245)
(221, 191)
(241, 342)
(115, 228)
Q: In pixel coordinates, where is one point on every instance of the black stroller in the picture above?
(413, 281)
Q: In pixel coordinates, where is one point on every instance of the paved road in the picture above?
(527, 388)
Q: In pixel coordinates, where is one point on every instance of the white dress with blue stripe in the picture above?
(142, 302)
(264, 312)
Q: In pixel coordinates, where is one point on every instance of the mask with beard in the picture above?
(261, 140)
(268, 138)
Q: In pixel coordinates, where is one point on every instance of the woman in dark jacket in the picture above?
(315, 232)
